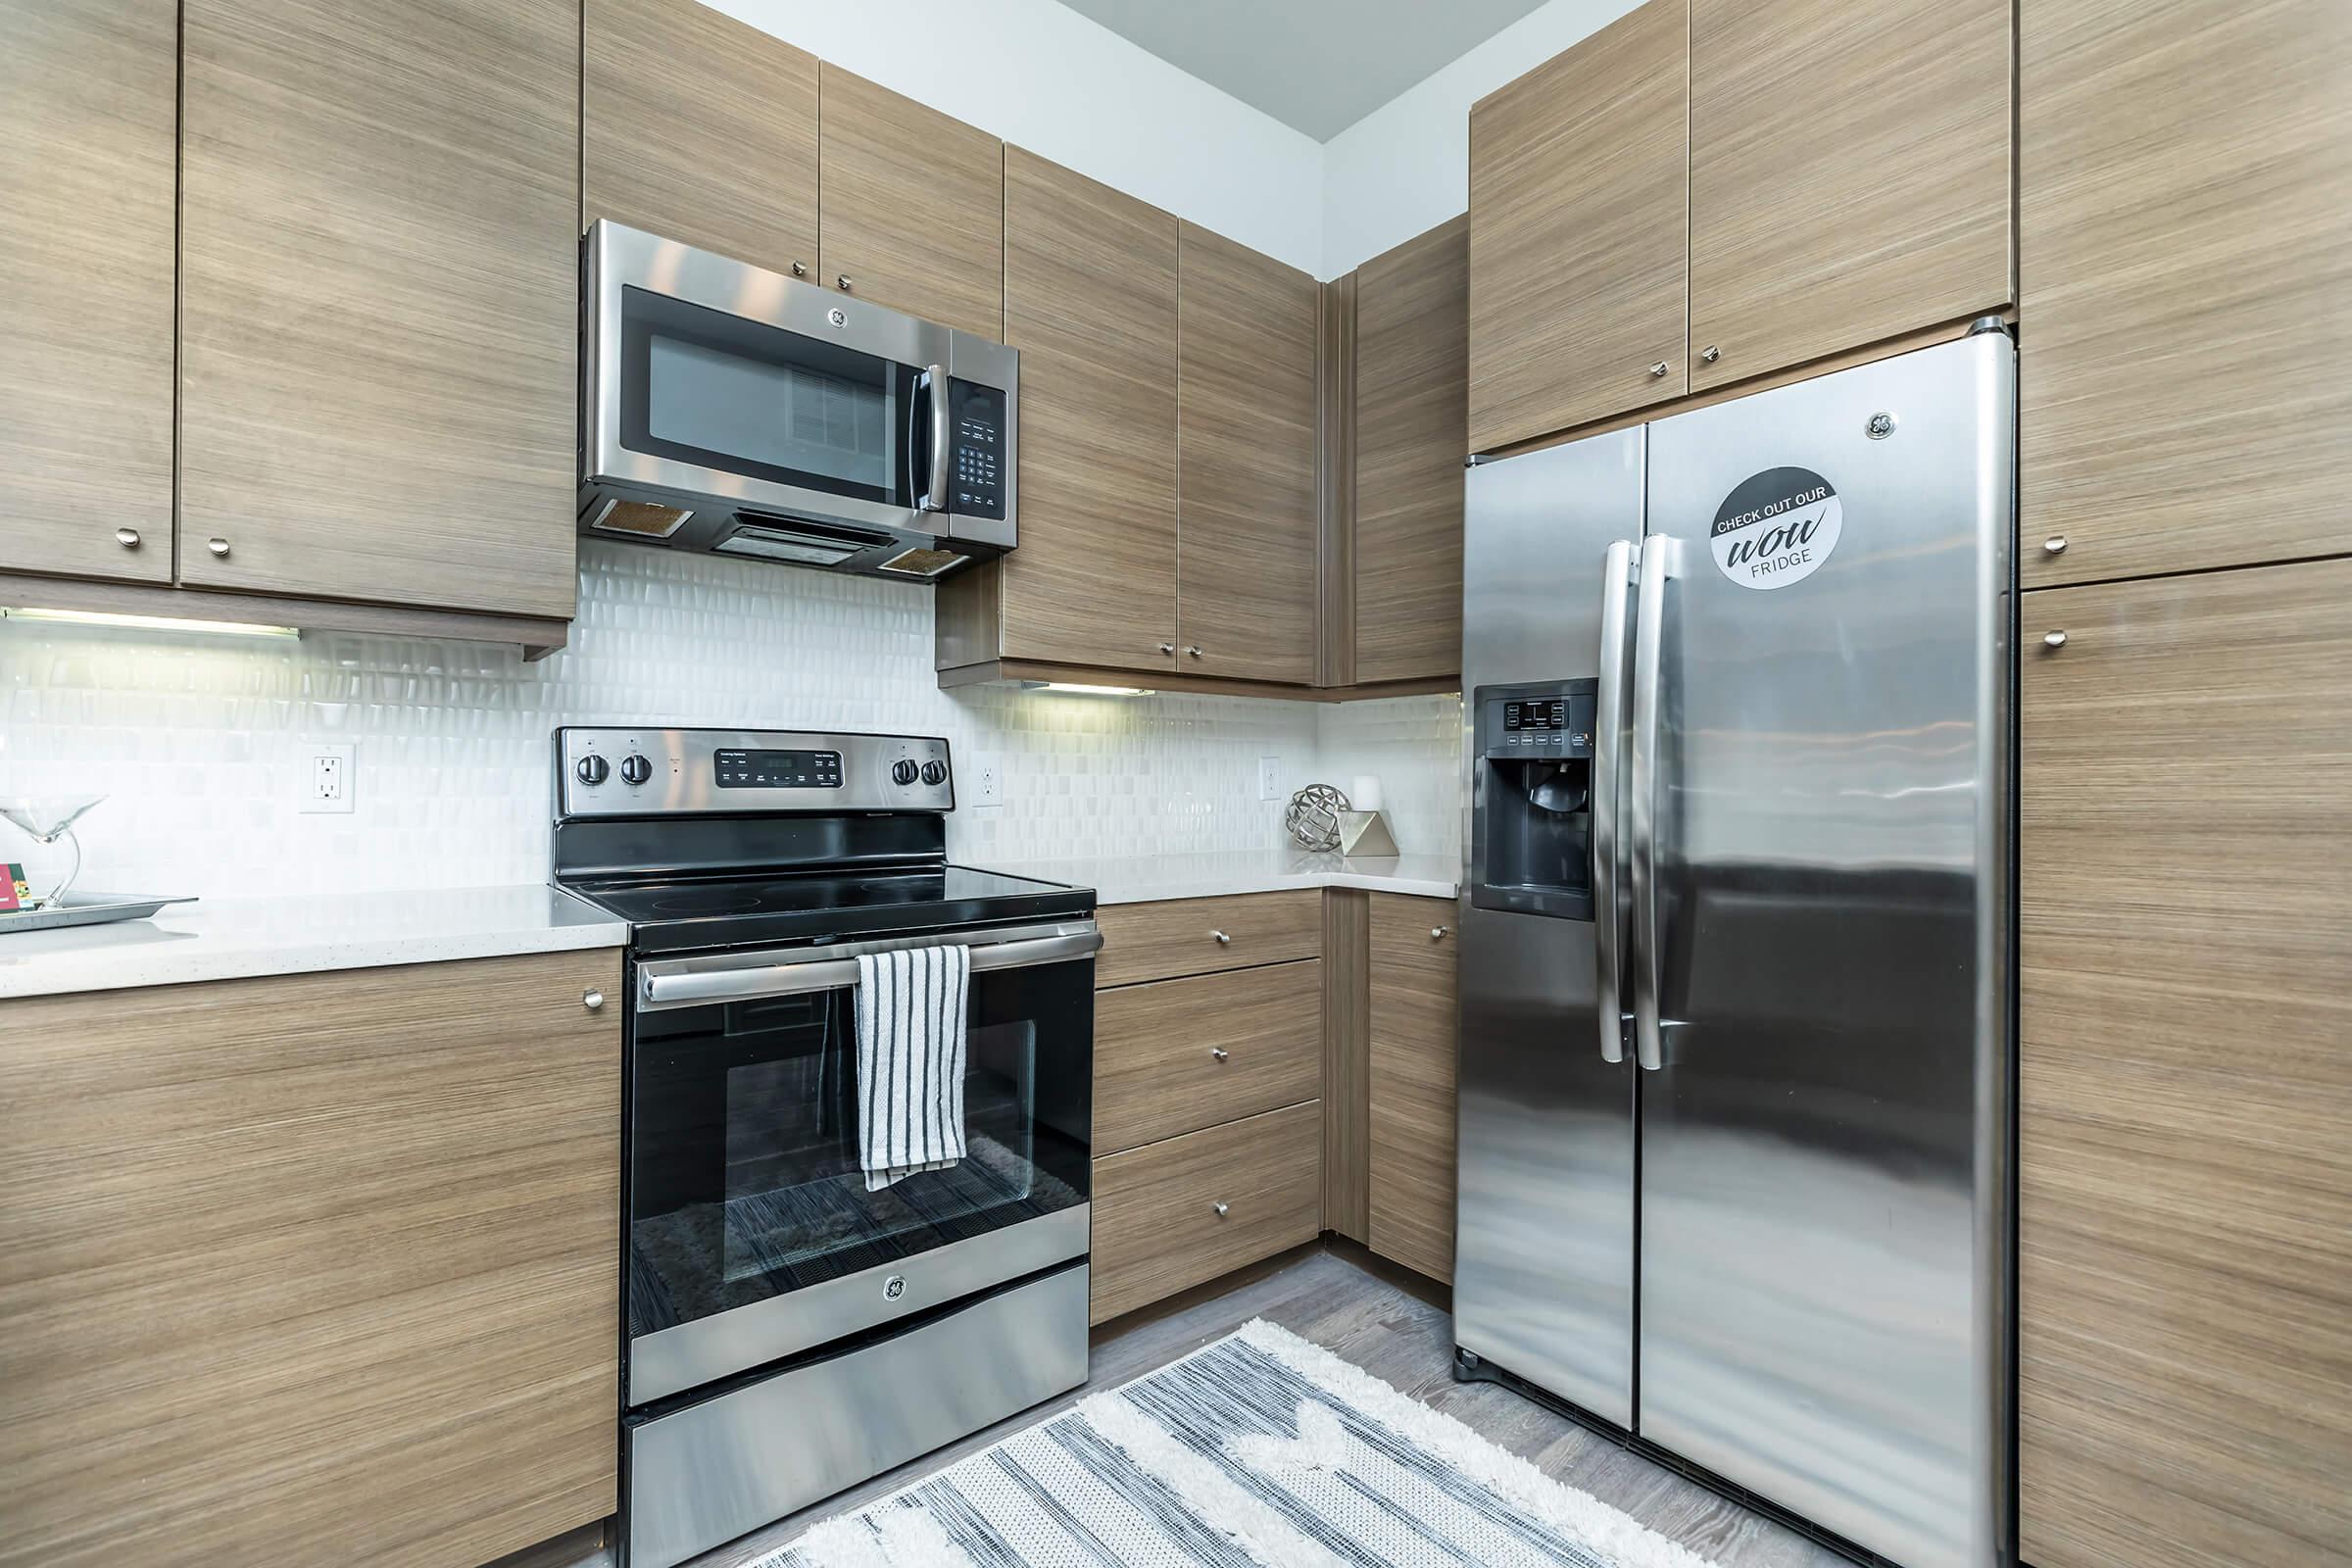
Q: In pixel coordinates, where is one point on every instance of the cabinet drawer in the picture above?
(1157, 1229)
(1180, 1055)
(1182, 936)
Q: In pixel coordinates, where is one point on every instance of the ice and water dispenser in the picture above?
(1532, 823)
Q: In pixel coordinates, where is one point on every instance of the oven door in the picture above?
(752, 1235)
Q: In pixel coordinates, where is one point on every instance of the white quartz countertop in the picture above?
(1143, 879)
(223, 939)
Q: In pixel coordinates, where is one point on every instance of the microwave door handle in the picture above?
(657, 991)
(1608, 722)
(1642, 806)
(935, 491)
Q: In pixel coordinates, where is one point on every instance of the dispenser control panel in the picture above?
(1538, 722)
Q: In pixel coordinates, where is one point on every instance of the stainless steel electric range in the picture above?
(787, 1333)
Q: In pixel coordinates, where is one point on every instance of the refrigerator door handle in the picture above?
(1642, 809)
(1608, 722)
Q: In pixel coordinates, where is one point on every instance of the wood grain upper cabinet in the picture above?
(89, 117)
(1411, 378)
(1579, 234)
(911, 206)
(1245, 456)
(1090, 300)
(2185, 208)
(1849, 176)
(380, 301)
(1412, 1081)
(2185, 1311)
(311, 1270)
(699, 128)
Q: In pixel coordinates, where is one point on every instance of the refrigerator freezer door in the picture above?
(1543, 1279)
(1825, 1148)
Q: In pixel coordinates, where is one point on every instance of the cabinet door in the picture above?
(1413, 1028)
(2186, 213)
(1579, 232)
(1090, 300)
(311, 1270)
(379, 282)
(89, 117)
(699, 128)
(912, 207)
(1412, 384)
(2185, 1311)
(1849, 176)
(1246, 461)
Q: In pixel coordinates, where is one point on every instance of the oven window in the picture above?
(722, 392)
(744, 1173)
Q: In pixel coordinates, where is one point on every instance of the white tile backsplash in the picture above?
(198, 742)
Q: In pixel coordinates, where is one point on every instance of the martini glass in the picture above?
(47, 818)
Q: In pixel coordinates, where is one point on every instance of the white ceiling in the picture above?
(1317, 66)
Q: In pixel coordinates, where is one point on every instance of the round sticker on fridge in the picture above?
(1776, 527)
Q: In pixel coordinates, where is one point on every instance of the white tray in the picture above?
(86, 908)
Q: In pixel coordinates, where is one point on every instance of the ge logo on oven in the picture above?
(894, 1287)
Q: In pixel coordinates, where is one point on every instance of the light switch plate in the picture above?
(326, 778)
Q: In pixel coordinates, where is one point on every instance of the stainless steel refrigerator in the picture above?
(1735, 955)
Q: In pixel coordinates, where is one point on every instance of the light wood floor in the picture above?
(1394, 1325)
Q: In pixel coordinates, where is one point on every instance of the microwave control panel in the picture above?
(976, 462)
(1537, 722)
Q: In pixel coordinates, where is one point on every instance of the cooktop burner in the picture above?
(726, 912)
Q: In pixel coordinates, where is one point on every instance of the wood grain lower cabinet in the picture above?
(2185, 218)
(911, 206)
(1172, 937)
(1172, 1215)
(1410, 436)
(1413, 1031)
(378, 301)
(2185, 1311)
(699, 128)
(89, 117)
(1849, 176)
(1246, 461)
(1580, 232)
(311, 1270)
(1177, 1055)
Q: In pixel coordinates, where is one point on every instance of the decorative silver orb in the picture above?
(1313, 816)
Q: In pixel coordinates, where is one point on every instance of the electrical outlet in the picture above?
(988, 782)
(327, 780)
(1269, 778)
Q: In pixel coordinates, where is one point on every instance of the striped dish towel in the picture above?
(911, 1045)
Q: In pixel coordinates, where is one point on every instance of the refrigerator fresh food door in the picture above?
(1542, 1281)
(1824, 1206)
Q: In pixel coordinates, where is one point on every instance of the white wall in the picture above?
(1039, 75)
(1405, 166)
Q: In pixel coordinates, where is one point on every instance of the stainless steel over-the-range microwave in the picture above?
(730, 408)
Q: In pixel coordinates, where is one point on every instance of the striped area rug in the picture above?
(1260, 1451)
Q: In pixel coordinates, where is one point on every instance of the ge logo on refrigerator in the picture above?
(1776, 528)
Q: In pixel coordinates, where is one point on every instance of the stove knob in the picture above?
(636, 769)
(935, 772)
(903, 772)
(591, 770)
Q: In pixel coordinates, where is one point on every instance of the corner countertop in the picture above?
(1146, 878)
(225, 939)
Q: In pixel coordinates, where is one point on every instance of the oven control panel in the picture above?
(682, 772)
(976, 466)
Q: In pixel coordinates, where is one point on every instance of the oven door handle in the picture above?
(657, 991)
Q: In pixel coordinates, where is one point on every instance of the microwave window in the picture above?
(777, 415)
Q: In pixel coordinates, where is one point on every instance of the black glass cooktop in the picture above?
(670, 913)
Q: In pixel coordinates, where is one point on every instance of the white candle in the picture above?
(1364, 793)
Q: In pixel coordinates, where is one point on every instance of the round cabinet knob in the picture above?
(1222, 1209)
(842, 282)
(1658, 370)
(593, 1001)
(1194, 650)
(2054, 639)
(935, 772)
(1437, 933)
(903, 772)
(1709, 355)
(1220, 1053)
(128, 538)
(2055, 544)
(218, 547)
(591, 770)
(1222, 939)
(1167, 647)
(799, 269)
(635, 770)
